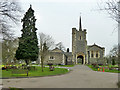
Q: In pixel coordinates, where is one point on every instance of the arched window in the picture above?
(96, 54)
(80, 37)
(92, 54)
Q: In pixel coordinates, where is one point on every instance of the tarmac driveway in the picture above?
(81, 76)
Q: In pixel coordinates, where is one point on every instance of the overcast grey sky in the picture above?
(58, 17)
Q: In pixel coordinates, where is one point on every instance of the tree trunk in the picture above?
(27, 63)
(42, 63)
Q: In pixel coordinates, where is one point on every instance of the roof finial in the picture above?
(80, 24)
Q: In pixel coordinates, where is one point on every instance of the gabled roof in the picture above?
(57, 50)
(89, 46)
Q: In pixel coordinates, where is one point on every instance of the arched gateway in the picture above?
(80, 59)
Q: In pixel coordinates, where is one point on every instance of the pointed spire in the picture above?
(30, 5)
(80, 24)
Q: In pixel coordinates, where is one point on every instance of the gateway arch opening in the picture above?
(80, 59)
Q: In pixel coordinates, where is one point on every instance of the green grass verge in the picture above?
(105, 70)
(37, 72)
(64, 65)
(94, 69)
(12, 88)
(109, 66)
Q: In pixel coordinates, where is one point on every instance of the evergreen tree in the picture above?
(28, 42)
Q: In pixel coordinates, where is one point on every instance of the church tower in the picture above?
(79, 45)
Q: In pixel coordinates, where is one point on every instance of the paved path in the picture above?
(80, 77)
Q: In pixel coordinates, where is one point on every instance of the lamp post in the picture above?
(119, 33)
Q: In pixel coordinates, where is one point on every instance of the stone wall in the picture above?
(68, 59)
(96, 49)
(57, 58)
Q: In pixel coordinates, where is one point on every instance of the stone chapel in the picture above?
(81, 52)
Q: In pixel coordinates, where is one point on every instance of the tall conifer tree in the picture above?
(28, 42)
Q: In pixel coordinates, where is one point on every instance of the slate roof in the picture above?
(68, 53)
(89, 46)
(57, 49)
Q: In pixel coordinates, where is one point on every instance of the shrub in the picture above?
(3, 68)
(50, 64)
(100, 64)
(110, 68)
(51, 68)
(13, 67)
(97, 66)
(94, 64)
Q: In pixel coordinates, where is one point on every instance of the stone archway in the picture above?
(80, 59)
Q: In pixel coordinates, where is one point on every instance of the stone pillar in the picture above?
(63, 61)
(76, 59)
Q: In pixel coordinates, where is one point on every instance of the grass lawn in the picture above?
(12, 88)
(62, 65)
(37, 72)
(109, 66)
(105, 70)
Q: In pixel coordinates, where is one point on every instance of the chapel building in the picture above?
(81, 52)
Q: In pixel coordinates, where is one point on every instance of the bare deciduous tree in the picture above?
(111, 6)
(114, 51)
(60, 46)
(113, 55)
(46, 43)
(113, 9)
(10, 12)
(8, 50)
